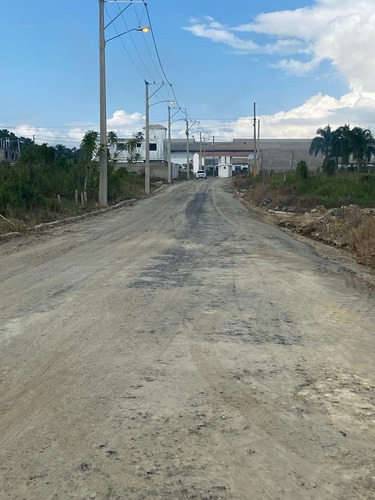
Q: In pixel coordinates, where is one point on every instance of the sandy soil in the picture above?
(182, 349)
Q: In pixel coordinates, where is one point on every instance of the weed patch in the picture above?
(335, 209)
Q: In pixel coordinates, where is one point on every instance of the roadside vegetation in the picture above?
(48, 182)
(299, 194)
(335, 204)
(338, 210)
(343, 148)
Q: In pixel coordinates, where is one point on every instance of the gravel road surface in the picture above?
(182, 349)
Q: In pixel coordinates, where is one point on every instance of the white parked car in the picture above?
(201, 174)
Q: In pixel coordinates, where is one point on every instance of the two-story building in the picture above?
(157, 148)
(8, 153)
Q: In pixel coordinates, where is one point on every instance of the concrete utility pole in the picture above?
(200, 150)
(103, 111)
(255, 142)
(147, 139)
(147, 144)
(258, 148)
(187, 151)
(103, 167)
(169, 147)
(213, 156)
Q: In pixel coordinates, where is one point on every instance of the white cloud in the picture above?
(296, 67)
(338, 31)
(121, 122)
(219, 33)
(355, 108)
(40, 134)
(341, 31)
(122, 119)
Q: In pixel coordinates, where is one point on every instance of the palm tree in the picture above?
(363, 146)
(342, 144)
(131, 147)
(323, 143)
(111, 141)
(90, 147)
(90, 144)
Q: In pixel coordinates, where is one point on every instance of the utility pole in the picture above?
(147, 145)
(200, 150)
(258, 148)
(103, 167)
(169, 147)
(255, 142)
(103, 111)
(213, 156)
(187, 151)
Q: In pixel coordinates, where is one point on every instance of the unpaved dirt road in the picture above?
(181, 349)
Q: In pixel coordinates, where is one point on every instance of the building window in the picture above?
(153, 146)
(120, 146)
(139, 144)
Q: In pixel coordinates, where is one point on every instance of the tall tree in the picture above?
(111, 141)
(343, 144)
(131, 147)
(363, 146)
(323, 143)
(90, 145)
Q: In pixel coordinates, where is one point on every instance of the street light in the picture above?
(147, 138)
(103, 191)
(187, 148)
(144, 29)
(170, 138)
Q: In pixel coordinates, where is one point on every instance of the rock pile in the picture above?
(348, 227)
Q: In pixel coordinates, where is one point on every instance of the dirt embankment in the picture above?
(348, 227)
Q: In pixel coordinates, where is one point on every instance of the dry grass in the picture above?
(351, 228)
(355, 231)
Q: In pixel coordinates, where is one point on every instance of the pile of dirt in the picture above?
(348, 227)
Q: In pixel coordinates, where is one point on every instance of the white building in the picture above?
(278, 155)
(158, 146)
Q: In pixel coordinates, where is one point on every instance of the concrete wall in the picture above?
(157, 170)
(283, 155)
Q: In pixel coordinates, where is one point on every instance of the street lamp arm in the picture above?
(164, 100)
(144, 29)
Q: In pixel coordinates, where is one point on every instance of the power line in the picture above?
(157, 51)
(125, 48)
(146, 44)
(145, 68)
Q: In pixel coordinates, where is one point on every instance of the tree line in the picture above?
(45, 173)
(343, 147)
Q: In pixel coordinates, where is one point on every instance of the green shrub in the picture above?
(302, 171)
(329, 166)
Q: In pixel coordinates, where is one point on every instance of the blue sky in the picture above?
(305, 63)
